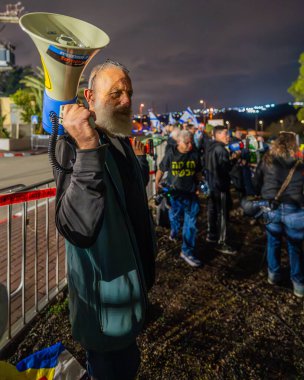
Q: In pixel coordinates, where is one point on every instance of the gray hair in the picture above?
(108, 63)
(185, 134)
(175, 133)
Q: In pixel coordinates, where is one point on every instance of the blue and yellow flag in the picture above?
(39, 366)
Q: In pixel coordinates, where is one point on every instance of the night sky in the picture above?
(227, 52)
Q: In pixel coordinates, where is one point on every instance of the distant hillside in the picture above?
(269, 116)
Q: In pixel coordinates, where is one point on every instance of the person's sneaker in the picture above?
(171, 238)
(191, 260)
(225, 248)
(271, 281)
(298, 290)
(210, 239)
(273, 278)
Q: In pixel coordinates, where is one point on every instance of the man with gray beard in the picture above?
(102, 211)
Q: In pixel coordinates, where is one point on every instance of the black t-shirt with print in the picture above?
(181, 168)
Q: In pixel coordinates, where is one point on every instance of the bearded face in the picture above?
(116, 120)
(110, 99)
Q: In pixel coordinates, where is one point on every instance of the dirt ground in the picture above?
(221, 321)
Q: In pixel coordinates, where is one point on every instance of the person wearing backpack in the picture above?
(279, 178)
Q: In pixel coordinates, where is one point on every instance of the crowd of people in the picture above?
(102, 212)
(256, 169)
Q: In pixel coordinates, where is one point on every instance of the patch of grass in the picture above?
(59, 308)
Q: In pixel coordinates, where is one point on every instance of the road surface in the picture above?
(24, 170)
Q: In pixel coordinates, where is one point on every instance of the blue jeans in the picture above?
(186, 208)
(115, 365)
(287, 220)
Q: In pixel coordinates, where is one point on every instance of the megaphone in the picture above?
(66, 45)
(235, 146)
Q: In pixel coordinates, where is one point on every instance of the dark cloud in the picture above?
(236, 52)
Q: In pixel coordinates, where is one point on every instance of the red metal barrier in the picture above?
(26, 196)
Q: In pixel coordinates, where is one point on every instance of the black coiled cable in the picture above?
(52, 146)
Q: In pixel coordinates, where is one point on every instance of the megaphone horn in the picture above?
(66, 45)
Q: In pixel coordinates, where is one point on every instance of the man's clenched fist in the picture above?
(76, 123)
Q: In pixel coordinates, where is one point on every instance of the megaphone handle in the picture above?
(92, 122)
(52, 146)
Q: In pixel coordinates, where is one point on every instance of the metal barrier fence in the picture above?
(33, 269)
(153, 165)
(39, 141)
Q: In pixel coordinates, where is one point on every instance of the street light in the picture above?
(211, 113)
(141, 106)
(281, 123)
(203, 103)
(261, 123)
(228, 124)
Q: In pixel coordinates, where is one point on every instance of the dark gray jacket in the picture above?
(108, 276)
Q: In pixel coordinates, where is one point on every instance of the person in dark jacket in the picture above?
(247, 186)
(218, 164)
(102, 211)
(287, 219)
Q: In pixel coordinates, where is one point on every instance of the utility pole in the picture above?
(11, 15)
